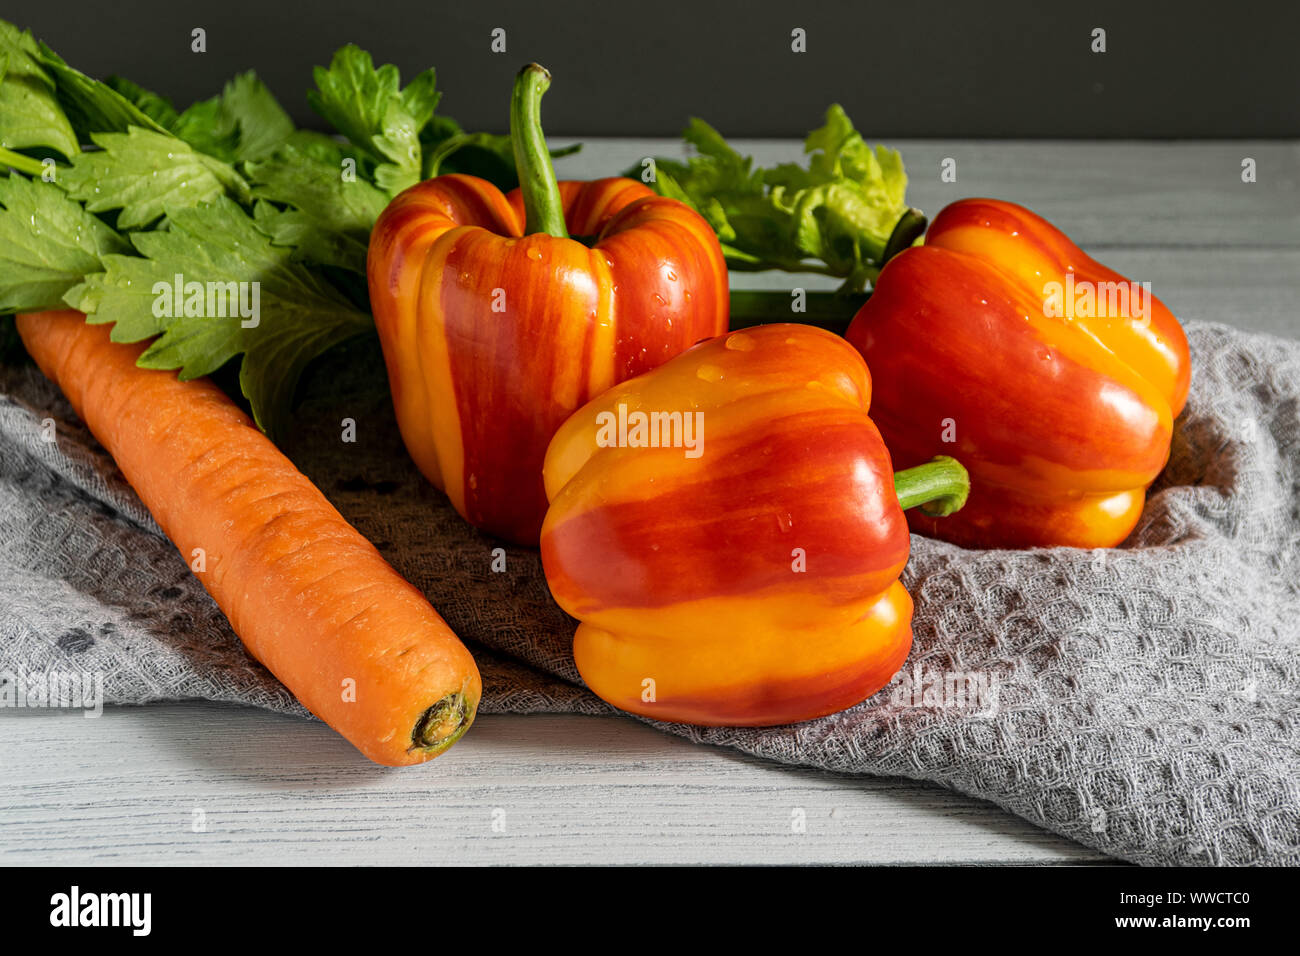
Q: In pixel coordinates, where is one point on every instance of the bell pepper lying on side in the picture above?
(1053, 378)
(496, 325)
(729, 530)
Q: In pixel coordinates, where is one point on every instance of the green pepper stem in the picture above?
(938, 487)
(433, 162)
(543, 210)
(24, 164)
(910, 227)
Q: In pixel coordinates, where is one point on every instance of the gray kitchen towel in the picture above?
(1141, 700)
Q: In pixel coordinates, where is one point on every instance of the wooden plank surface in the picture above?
(128, 787)
(1104, 194)
(124, 788)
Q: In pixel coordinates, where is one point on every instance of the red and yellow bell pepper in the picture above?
(729, 531)
(496, 325)
(1054, 379)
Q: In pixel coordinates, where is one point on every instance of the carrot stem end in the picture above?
(443, 724)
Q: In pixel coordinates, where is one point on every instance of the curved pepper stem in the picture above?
(543, 210)
(910, 227)
(939, 487)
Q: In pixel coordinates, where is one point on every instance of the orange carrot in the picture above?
(307, 594)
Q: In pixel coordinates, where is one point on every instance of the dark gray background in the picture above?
(1012, 69)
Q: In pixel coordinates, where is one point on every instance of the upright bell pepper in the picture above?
(496, 325)
(729, 531)
(1054, 379)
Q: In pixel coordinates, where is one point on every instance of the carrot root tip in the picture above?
(443, 724)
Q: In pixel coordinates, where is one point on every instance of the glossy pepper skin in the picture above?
(1063, 422)
(496, 325)
(492, 338)
(684, 570)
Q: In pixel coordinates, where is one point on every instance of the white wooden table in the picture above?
(202, 783)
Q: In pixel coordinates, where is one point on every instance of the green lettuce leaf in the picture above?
(244, 122)
(372, 111)
(92, 106)
(30, 115)
(144, 173)
(157, 108)
(300, 315)
(48, 244)
(328, 219)
(834, 216)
